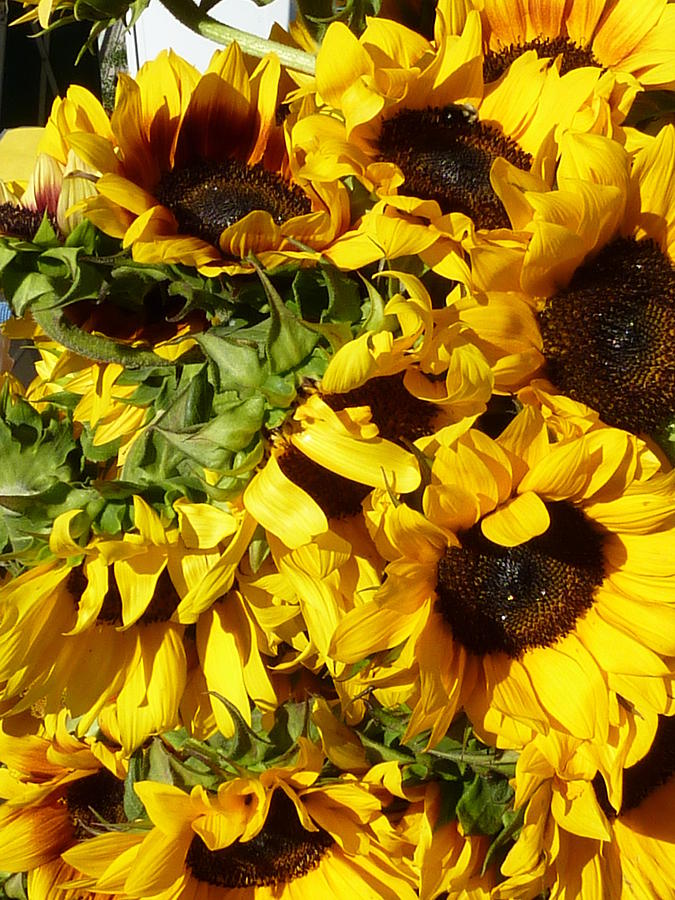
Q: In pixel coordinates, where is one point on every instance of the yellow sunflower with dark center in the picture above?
(415, 122)
(607, 35)
(574, 841)
(381, 394)
(642, 827)
(599, 270)
(103, 623)
(279, 835)
(55, 789)
(194, 168)
(526, 583)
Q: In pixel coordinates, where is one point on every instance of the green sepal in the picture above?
(481, 807)
(137, 771)
(289, 341)
(512, 822)
(237, 361)
(46, 236)
(14, 887)
(245, 747)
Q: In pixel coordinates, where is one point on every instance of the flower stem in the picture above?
(193, 18)
(95, 346)
(505, 761)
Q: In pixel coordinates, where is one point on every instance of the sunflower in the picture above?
(599, 275)
(606, 35)
(277, 835)
(107, 395)
(54, 789)
(527, 584)
(573, 841)
(381, 393)
(73, 635)
(447, 859)
(414, 121)
(641, 827)
(194, 168)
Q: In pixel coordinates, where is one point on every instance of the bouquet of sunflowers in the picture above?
(338, 521)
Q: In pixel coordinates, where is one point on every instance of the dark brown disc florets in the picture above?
(208, 197)
(161, 607)
(446, 155)
(496, 62)
(609, 338)
(93, 801)
(277, 855)
(650, 773)
(510, 599)
(17, 221)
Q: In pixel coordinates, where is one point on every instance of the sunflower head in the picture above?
(194, 169)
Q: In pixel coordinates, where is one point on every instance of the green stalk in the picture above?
(95, 346)
(505, 763)
(193, 18)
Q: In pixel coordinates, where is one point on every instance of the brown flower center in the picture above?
(399, 415)
(446, 155)
(93, 801)
(609, 338)
(496, 62)
(208, 197)
(277, 855)
(162, 606)
(509, 599)
(16, 221)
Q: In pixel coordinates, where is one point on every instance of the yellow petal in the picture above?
(376, 626)
(282, 507)
(148, 522)
(560, 475)
(203, 526)
(570, 685)
(18, 152)
(376, 462)
(340, 62)
(125, 193)
(516, 521)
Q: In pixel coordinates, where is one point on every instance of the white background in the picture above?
(157, 30)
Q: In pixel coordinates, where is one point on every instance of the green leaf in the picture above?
(483, 804)
(289, 341)
(258, 549)
(133, 808)
(15, 887)
(379, 752)
(60, 262)
(25, 291)
(158, 759)
(97, 452)
(113, 517)
(344, 296)
(290, 723)
(237, 361)
(279, 391)
(7, 254)
(374, 309)
(213, 444)
(83, 235)
(512, 821)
